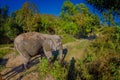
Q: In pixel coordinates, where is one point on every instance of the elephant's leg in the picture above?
(48, 54)
(60, 57)
(47, 50)
(26, 59)
(25, 55)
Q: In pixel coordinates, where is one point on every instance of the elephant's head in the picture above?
(53, 45)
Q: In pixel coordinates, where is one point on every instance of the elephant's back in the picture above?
(31, 42)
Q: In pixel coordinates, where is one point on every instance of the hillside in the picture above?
(90, 38)
(13, 69)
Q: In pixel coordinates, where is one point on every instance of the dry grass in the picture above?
(76, 49)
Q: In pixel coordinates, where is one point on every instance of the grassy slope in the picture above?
(5, 49)
(77, 49)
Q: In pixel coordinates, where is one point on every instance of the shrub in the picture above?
(67, 38)
(103, 67)
(108, 39)
(5, 50)
(55, 70)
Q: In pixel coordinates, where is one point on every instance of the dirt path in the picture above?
(77, 49)
(14, 69)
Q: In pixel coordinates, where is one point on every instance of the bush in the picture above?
(108, 39)
(55, 70)
(70, 28)
(102, 67)
(67, 38)
(5, 49)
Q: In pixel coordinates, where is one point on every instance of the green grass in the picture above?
(67, 38)
(5, 49)
(6, 45)
(77, 49)
(55, 70)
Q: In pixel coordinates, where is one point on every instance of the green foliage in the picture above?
(77, 19)
(109, 8)
(67, 38)
(55, 70)
(108, 18)
(35, 23)
(103, 67)
(11, 28)
(3, 52)
(86, 23)
(68, 9)
(70, 28)
(102, 62)
(82, 8)
(27, 17)
(3, 16)
(88, 58)
(44, 67)
(106, 5)
(22, 16)
(2, 67)
(109, 38)
(49, 24)
(58, 72)
(5, 49)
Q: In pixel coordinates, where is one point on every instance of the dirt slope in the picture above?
(14, 69)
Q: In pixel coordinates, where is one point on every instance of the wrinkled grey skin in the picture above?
(30, 44)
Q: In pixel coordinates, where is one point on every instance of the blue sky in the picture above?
(44, 6)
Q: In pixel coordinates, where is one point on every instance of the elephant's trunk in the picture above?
(61, 54)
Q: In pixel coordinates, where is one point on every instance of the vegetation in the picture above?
(55, 70)
(93, 44)
(5, 49)
(108, 8)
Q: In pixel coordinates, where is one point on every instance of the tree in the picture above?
(110, 8)
(49, 23)
(85, 20)
(3, 16)
(69, 28)
(106, 5)
(82, 8)
(12, 29)
(25, 15)
(35, 22)
(68, 10)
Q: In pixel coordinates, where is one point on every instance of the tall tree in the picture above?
(25, 15)
(103, 5)
(82, 8)
(68, 10)
(49, 23)
(85, 19)
(12, 29)
(110, 7)
(3, 16)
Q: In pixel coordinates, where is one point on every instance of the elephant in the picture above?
(31, 44)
